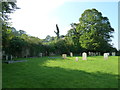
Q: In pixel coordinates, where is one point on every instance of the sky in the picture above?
(39, 17)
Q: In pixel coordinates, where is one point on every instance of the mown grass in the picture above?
(62, 73)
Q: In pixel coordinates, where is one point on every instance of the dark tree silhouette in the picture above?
(57, 33)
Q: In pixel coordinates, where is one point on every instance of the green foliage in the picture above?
(94, 30)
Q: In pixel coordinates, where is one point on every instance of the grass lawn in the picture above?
(62, 73)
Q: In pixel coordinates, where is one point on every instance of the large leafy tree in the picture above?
(7, 8)
(95, 30)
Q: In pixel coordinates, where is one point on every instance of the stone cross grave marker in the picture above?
(84, 56)
(64, 56)
(105, 56)
(76, 59)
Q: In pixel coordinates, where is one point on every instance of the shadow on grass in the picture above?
(31, 75)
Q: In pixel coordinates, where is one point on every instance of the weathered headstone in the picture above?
(64, 56)
(3, 52)
(84, 56)
(6, 57)
(40, 54)
(80, 54)
(11, 57)
(89, 53)
(99, 53)
(113, 53)
(108, 54)
(105, 56)
(76, 59)
(71, 54)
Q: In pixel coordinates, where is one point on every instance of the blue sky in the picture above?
(39, 18)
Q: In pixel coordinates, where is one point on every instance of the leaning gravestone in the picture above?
(113, 53)
(64, 56)
(84, 56)
(105, 56)
(71, 54)
(76, 59)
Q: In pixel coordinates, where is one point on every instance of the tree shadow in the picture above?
(33, 75)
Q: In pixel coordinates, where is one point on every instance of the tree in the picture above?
(57, 33)
(7, 8)
(95, 30)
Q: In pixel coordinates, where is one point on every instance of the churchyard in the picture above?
(63, 71)
(84, 56)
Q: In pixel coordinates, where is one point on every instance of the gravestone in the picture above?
(71, 54)
(76, 59)
(113, 53)
(40, 54)
(84, 56)
(99, 53)
(6, 57)
(105, 56)
(11, 57)
(89, 53)
(64, 56)
(3, 52)
(80, 54)
(108, 54)
(94, 54)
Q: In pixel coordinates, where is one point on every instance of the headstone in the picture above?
(108, 54)
(80, 54)
(113, 53)
(6, 57)
(105, 56)
(11, 57)
(76, 59)
(3, 52)
(40, 55)
(64, 56)
(71, 54)
(99, 53)
(89, 53)
(84, 56)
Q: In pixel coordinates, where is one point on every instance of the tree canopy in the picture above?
(92, 33)
(94, 30)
